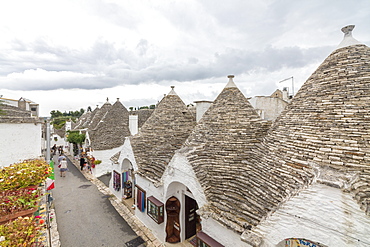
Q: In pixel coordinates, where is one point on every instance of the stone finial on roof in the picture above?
(172, 91)
(107, 99)
(117, 99)
(231, 82)
(348, 40)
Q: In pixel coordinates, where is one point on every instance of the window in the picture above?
(155, 209)
(140, 199)
(203, 240)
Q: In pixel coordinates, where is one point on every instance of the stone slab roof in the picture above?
(112, 129)
(327, 124)
(163, 133)
(98, 116)
(85, 117)
(13, 114)
(61, 132)
(143, 115)
(115, 157)
(220, 149)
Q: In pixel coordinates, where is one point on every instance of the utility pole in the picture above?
(47, 140)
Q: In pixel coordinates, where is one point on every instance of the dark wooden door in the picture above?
(190, 217)
(173, 220)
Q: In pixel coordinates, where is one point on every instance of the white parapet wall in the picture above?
(19, 141)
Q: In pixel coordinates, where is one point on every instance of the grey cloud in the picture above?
(107, 66)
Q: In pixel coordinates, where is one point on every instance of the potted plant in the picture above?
(15, 203)
(20, 232)
(24, 174)
(95, 162)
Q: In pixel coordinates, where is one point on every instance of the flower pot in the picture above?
(25, 213)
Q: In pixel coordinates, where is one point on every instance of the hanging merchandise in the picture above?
(116, 181)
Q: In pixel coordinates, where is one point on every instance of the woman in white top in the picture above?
(63, 167)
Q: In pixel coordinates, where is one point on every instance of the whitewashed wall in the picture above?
(19, 142)
(60, 141)
(321, 214)
(221, 234)
(106, 165)
(179, 170)
(157, 229)
(128, 155)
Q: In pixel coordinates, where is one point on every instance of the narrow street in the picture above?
(85, 216)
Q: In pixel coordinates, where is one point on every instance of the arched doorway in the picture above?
(173, 220)
(127, 179)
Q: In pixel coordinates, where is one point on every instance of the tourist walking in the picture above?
(54, 148)
(63, 167)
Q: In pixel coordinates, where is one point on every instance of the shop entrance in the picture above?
(192, 220)
(173, 221)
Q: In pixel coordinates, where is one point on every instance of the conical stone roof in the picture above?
(325, 129)
(98, 116)
(82, 119)
(164, 132)
(219, 150)
(89, 118)
(112, 129)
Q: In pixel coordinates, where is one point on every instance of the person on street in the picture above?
(82, 162)
(60, 158)
(54, 148)
(63, 167)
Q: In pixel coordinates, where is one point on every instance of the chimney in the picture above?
(133, 124)
(201, 107)
(22, 104)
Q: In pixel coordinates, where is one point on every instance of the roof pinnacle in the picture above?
(172, 91)
(231, 82)
(348, 40)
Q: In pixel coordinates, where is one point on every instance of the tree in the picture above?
(59, 119)
(77, 139)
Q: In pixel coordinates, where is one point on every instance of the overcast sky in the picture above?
(71, 54)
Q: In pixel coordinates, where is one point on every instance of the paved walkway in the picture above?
(85, 216)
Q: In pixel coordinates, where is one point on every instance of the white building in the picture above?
(20, 133)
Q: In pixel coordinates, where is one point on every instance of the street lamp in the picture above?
(292, 83)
